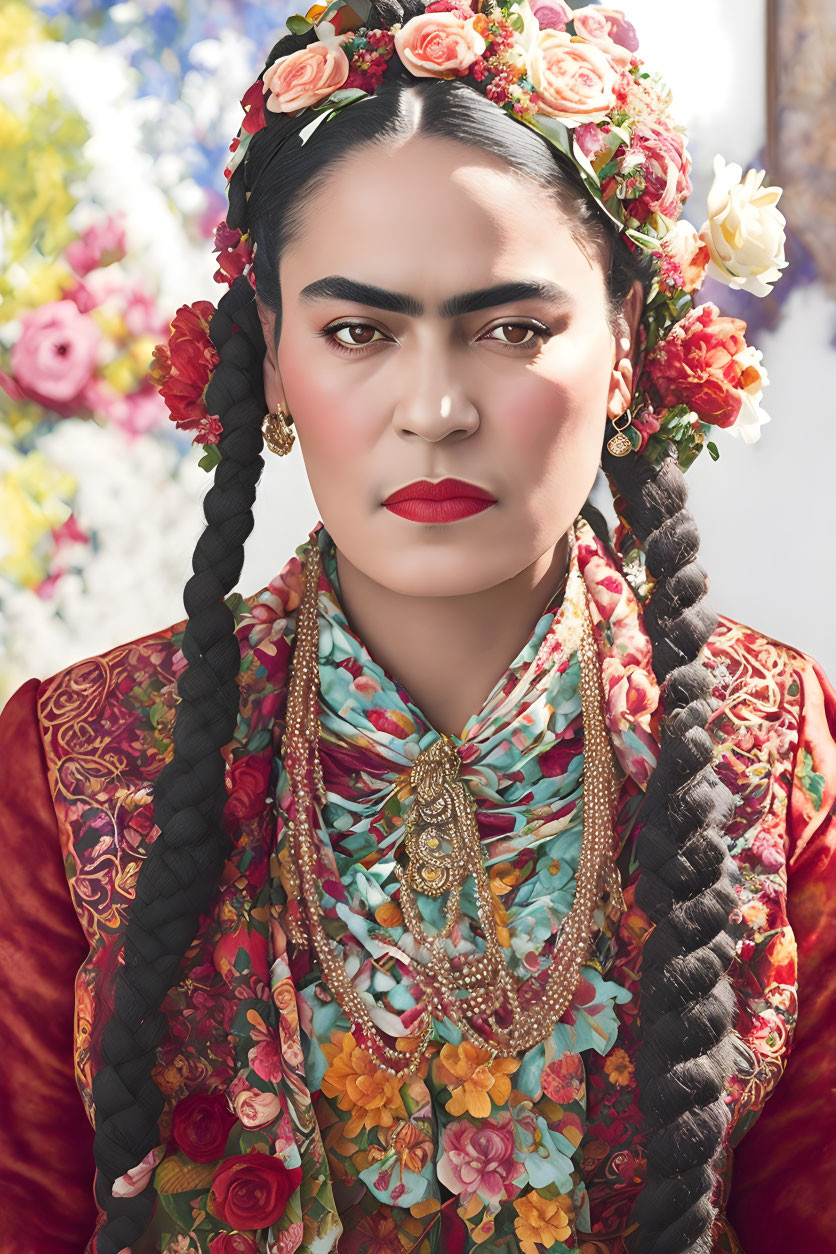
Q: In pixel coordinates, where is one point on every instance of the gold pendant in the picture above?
(619, 445)
(434, 842)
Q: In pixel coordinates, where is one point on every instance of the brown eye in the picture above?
(518, 330)
(360, 334)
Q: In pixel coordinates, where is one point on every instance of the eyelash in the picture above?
(329, 335)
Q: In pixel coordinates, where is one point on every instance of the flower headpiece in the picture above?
(575, 77)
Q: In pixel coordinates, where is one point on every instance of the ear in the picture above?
(273, 391)
(626, 365)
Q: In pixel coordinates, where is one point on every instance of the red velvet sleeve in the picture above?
(783, 1193)
(46, 1141)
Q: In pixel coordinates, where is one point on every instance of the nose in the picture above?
(435, 402)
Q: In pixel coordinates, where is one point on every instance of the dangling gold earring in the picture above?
(619, 445)
(278, 434)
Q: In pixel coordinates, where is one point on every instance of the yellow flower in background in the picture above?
(541, 1221)
(34, 496)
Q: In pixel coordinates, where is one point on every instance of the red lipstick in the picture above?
(446, 501)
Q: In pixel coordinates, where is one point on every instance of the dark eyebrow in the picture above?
(341, 288)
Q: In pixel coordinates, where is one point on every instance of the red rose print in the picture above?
(246, 783)
(200, 1126)
(250, 1191)
(233, 1243)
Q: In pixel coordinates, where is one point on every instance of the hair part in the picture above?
(686, 1005)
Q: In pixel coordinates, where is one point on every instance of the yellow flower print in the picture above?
(371, 1094)
(618, 1067)
(474, 1079)
(541, 1221)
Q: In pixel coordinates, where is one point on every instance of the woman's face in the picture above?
(511, 394)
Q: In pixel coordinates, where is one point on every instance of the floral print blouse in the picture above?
(280, 1133)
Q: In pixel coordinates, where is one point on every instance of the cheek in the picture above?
(552, 416)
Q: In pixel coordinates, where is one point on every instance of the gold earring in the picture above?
(278, 434)
(619, 444)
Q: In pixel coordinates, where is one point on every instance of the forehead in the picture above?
(434, 217)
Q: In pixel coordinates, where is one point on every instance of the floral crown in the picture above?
(575, 77)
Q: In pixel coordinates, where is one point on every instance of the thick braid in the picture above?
(688, 1046)
(178, 878)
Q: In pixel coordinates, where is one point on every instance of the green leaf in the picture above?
(811, 781)
(297, 25)
(210, 458)
(235, 602)
(713, 450)
(516, 22)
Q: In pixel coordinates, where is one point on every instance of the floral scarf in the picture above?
(497, 1140)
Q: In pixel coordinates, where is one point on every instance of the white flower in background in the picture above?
(142, 503)
(751, 417)
(745, 230)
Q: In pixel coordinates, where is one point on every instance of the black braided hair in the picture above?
(180, 874)
(688, 1045)
(685, 887)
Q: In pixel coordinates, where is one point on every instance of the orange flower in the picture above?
(370, 1093)
(541, 1221)
(473, 1080)
(619, 1067)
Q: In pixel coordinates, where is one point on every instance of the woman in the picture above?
(359, 968)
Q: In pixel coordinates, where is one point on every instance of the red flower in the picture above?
(232, 1243)
(695, 365)
(246, 782)
(182, 368)
(200, 1126)
(253, 105)
(234, 254)
(250, 1191)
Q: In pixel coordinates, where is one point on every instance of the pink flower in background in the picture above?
(134, 413)
(55, 356)
(100, 245)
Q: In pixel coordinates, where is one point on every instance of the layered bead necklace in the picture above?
(441, 850)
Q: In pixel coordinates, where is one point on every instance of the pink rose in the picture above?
(100, 245)
(305, 77)
(666, 166)
(55, 355)
(255, 1109)
(574, 80)
(609, 30)
(438, 45)
(591, 139)
(631, 694)
(479, 1158)
(551, 14)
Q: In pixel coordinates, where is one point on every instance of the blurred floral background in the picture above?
(115, 121)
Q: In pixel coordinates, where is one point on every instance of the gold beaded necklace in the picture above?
(442, 846)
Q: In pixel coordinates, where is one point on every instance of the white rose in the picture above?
(745, 231)
(751, 417)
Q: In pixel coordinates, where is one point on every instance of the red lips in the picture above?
(422, 489)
